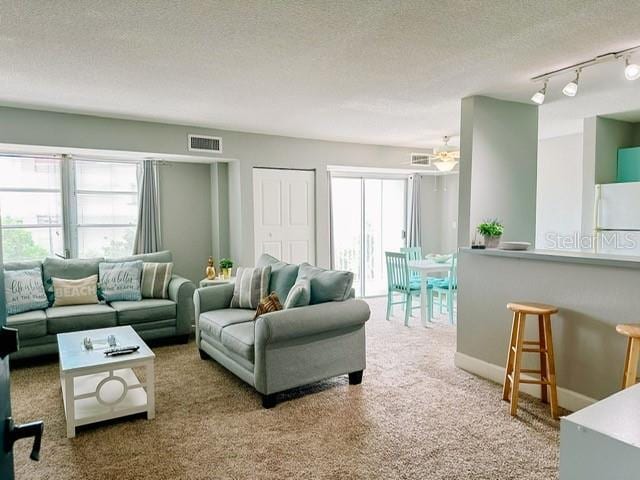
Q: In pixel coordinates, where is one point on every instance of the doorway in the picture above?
(368, 219)
(284, 214)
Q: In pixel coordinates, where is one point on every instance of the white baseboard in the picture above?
(568, 399)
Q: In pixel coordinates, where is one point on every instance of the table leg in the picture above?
(69, 405)
(151, 394)
(423, 298)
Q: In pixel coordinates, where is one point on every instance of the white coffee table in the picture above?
(96, 387)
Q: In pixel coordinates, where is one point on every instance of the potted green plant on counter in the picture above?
(491, 230)
(225, 267)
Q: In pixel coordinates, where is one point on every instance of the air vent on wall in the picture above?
(202, 143)
(420, 159)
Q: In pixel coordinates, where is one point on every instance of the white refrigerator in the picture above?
(617, 218)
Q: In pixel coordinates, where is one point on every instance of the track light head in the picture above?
(538, 97)
(631, 70)
(571, 88)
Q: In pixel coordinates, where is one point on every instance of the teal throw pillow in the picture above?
(299, 295)
(326, 285)
(24, 290)
(283, 275)
(120, 281)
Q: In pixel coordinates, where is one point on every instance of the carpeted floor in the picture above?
(415, 416)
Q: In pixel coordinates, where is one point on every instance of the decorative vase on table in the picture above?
(225, 267)
(491, 231)
(491, 242)
(211, 269)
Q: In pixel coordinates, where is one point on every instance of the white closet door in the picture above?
(284, 214)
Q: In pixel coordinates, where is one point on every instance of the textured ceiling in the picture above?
(384, 72)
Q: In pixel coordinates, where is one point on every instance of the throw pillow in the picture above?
(270, 303)
(120, 281)
(283, 275)
(251, 285)
(75, 292)
(155, 279)
(299, 295)
(326, 285)
(24, 290)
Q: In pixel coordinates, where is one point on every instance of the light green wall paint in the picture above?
(185, 215)
(498, 166)
(244, 150)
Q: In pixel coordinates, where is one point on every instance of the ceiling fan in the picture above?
(446, 157)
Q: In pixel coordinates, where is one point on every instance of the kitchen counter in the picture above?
(566, 256)
(593, 292)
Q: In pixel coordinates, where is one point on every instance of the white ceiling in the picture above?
(384, 72)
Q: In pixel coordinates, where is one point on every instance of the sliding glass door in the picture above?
(369, 218)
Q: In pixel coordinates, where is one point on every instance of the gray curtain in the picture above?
(148, 232)
(331, 246)
(413, 234)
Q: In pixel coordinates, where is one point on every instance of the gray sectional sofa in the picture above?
(151, 318)
(284, 349)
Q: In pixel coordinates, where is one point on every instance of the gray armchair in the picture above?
(285, 349)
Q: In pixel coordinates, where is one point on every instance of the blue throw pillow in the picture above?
(120, 281)
(24, 290)
(299, 295)
(326, 285)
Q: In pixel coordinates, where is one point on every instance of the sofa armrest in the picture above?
(306, 321)
(214, 297)
(181, 291)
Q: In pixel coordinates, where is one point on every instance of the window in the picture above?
(99, 214)
(106, 195)
(30, 207)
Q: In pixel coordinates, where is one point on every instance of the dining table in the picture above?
(425, 267)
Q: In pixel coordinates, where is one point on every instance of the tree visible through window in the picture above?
(100, 217)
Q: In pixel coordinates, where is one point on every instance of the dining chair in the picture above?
(415, 253)
(399, 281)
(448, 287)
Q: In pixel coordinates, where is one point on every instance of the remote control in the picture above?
(121, 350)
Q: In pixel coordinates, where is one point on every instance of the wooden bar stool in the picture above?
(633, 353)
(544, 347)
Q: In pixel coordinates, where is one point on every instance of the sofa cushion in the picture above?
(121, 281)
(299, 295)
(145, 310)
(214, 321)
(239, 338)
(26, 265)
(24, 290)
(75, 292)
(156, 257)
(79, 317)
(283, 275)
(29, 324)
(251, 286)
(155, 279)
(72, 269)
(326, 285)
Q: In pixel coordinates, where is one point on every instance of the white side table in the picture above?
(205, 282)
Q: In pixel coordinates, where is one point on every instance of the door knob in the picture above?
(16, 432)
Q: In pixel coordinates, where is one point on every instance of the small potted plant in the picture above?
(491, 230)
(225, 266)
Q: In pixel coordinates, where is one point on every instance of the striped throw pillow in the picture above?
(270, 303)
(252, 284)
(155, 279)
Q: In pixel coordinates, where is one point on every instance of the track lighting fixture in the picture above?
(631, 70)
(571, 88)
(538, 97)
